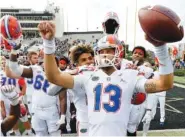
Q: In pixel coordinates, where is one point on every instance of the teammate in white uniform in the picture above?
(138, 111)
(44, 107)
(152, 102)
(109, 91)
(7, 124)
(33, 60)
(160, 97)
(17, 83)
(81, 55)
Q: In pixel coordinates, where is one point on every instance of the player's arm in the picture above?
(10, 93)
(8, 72)
(63, 101)
(3, 110)
(165, 81)
(17, 69)
(8, 123)
(54, 75)
(47, 31)
(22, 84)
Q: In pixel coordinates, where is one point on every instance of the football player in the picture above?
(152, 101)
(81, 55)
(45, 113)
(33, 60)
(108, 90)
(8, 123)
(44, 108)
(18, 83)
(137, 111)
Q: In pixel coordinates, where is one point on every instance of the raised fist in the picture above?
(47, 30)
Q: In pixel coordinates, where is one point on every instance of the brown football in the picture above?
(161, 23)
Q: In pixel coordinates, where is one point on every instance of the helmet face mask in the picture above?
(109, 58)
(111, 26)
(15, 42)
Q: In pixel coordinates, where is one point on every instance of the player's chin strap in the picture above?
(165, 62)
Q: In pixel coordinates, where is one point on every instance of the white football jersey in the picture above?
(7, 104)
(80, 100)
(9, 81)
(29, 88)
(40, 84)
(109, 98)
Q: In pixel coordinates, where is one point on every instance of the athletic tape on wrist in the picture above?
(165, 62)
(49, 46)
(7, 62)
(16, 68)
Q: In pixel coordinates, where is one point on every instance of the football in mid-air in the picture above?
(161, 23)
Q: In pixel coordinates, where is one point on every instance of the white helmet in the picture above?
(111, 23)
(106, 60)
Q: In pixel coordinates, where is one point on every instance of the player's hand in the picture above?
(6, 54)
(148, 117)
(154, 42)
(3, 114)
(130, 66)
(9, 91)
(47, 30)
(23, 113)
(61, 121)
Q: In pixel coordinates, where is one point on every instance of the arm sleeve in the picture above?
(53, 89)
(79, 81)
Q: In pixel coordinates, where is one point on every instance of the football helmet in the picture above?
(11, 30)
(6, 46)
(111, 23)
(106, 60)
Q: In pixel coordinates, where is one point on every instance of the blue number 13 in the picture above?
(114, 95)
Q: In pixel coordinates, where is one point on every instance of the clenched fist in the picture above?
(47, 30)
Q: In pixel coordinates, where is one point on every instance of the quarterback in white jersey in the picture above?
(108, 101)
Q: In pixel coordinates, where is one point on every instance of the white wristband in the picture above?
(165, 62)
(16, 68)
(15, 102)
(49, 46)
